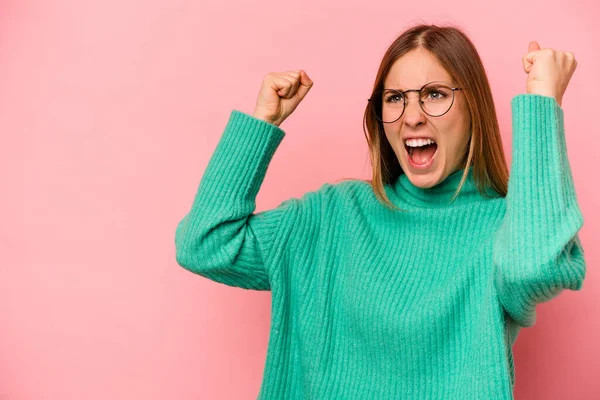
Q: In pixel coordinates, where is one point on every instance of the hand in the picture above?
(280, 94)
(549, 71)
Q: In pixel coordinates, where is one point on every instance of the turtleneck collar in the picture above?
(441, 194)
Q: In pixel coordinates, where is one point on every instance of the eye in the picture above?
(394, 98)
(436, 95)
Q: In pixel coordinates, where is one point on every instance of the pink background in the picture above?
(109, 113)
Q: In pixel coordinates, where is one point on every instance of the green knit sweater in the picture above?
(371, 303)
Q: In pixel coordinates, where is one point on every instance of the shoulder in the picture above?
(329, 196)
(341, 191)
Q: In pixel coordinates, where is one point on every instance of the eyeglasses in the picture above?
(435, 98)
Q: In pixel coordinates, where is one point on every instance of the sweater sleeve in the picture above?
(221, 238)
(537, 252)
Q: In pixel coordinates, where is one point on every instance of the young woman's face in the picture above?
(450, 132)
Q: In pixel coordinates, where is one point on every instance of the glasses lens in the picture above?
(436, 98)
(392, 105)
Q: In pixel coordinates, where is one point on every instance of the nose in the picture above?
(413, 113)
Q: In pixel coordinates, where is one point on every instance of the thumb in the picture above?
(533, 46)
(305, 85)
(528, 59)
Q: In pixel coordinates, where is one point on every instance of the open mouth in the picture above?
(420, 151)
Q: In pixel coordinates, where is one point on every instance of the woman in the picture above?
(412, 285)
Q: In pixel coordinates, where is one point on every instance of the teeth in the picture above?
(418, 142)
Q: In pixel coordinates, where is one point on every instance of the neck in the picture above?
(441, 194)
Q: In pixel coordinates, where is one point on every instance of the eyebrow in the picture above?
(435, 80)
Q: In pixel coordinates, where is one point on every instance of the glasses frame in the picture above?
(372, 100)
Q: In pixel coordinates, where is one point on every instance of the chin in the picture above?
(427, 178)
(425, 181)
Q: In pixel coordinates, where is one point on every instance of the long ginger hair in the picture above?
(458, 56)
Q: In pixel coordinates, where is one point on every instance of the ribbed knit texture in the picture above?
(370, 303)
